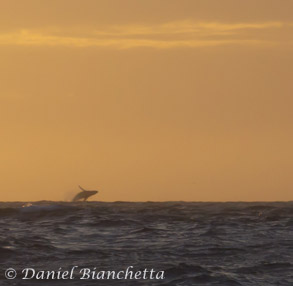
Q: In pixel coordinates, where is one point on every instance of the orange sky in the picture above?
(146, 100)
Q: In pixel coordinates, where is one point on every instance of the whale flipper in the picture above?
(81, 188)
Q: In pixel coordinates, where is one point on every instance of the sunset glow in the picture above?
(146, 100)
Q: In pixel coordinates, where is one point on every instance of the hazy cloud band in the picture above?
(168, 35)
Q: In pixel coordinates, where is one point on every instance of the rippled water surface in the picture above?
(193, 243)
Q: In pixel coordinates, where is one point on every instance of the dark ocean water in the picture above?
(193, 243)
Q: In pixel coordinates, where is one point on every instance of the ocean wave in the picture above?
(194, 243)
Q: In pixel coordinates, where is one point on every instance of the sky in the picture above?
(151, 100)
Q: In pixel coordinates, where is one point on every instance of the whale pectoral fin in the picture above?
(81, 188)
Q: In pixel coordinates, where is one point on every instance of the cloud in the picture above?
(163, 36)
(185, 27)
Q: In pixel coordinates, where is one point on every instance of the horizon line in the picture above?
(175, 201)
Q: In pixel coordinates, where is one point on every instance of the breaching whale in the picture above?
(84, 195)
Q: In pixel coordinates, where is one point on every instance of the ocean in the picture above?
(162, 243)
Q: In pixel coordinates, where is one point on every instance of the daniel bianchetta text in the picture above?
(86, 274)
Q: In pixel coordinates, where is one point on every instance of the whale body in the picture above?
(84, 194)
